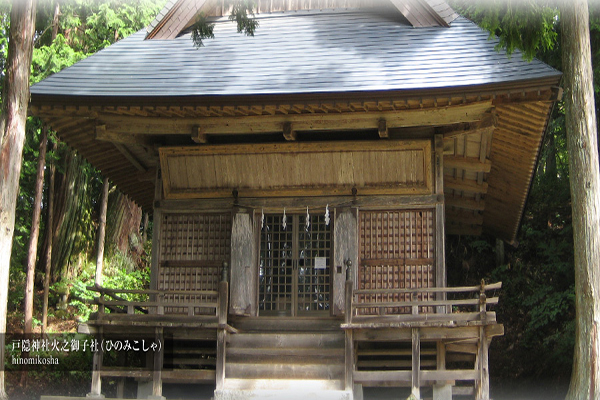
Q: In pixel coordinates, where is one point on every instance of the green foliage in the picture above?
(48, 60)
(201, 30)
(242, 12)
(120, 272)
(239, 13)
(527, 25)
(16, 289)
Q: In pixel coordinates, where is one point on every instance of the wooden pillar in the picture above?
(349, 356)
(122, 361)
(345, 247)
(482, 387)
(416, 363)
(442, 390)
(440, 251)
(221, 359)
(244, 264)
(96, 389)
(156, 233)
(222, 335)
(158, 366)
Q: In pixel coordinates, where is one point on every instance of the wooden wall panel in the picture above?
(193, 248)
(396, 250)
(307, 169)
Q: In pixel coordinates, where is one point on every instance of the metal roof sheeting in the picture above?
(293, 53)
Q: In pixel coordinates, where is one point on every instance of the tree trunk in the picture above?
(55, 20)
(33, 243)
(35, 231)
(12, 136)
(101, 232)
(72, 222)
(585, 193)
(145, 228)
(50, 207)
(123, 219)
(48, 255)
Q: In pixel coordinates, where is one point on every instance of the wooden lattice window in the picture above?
(397, 250)
(295, 273)
(193, 249)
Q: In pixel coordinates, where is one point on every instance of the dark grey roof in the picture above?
(297, 52)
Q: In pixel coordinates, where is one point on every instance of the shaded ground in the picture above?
(499, 390)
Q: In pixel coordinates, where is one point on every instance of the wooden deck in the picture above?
(428, 337)
(392, 342)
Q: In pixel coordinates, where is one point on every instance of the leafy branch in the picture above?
(241, 12)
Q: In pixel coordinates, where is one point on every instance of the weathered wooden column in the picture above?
(147, 387)
(440, 219)
(244, 268)
(482, 386)
(345, 242)
(158, 366)
(442, 390)
(96, 389)
(349, 356)
(156, 231)
(416, 364)
(221, 330)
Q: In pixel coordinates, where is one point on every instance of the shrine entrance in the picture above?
(294, 269)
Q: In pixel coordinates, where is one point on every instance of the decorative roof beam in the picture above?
(275, 123)
(383, 129)
(199, 136)
(132, 139)
(467, 164)
(465, 185)
(288, 131)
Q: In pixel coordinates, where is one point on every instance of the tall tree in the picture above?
(582, 146)
(101, 232)
(35, 230)
(48, 252)
(15, 97)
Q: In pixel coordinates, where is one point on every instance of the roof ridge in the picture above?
(178, 15)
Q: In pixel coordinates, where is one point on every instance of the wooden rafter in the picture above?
(467, 164)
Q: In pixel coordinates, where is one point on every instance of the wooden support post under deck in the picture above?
(416, 363)
(442, 390)
(220, 368)
(349, 356)
(221, 335)
(158, 366)
(483, 385)
(96, 389)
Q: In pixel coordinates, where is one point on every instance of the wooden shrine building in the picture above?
(302, 182)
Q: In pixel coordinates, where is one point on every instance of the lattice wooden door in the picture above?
(397, 250)
(193, 249)
(295, 275)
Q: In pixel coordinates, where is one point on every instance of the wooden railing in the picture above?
(469, 303)
(149, 302)
(109, 299)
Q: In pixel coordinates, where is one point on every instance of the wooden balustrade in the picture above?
(118, 304)
(468, 304)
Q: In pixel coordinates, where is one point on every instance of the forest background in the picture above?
(537, 299)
